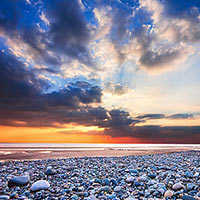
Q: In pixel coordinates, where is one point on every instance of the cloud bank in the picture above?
(57, 58)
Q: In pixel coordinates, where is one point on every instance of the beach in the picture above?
(152, 176)
(45, 151)
(42, 154)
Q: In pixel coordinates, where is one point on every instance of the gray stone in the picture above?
(188, 197)
(40, 185)
(178, 186)
(4, 197)
(18, 181)
(50, 171)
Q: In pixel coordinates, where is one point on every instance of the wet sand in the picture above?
(24, 154)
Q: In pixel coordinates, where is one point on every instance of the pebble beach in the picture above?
(158, 176)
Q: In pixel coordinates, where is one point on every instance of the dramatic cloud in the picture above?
(184, 16)
(32, 39)
(159, 134)
(58, 59)
(65, 32)
(157, 36)
(69, 33)
(23, 95)
(175, 27)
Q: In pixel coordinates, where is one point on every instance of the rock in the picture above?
(168, 193)
(130, 198)
(91, 197)
(161, 190)
(74, 197)
(50, 171)
(130, 179)
(14, 195)
(18, 181)
(133, 171)
(188, 197)
(106, 182)
(189, 175)
(143, 178)
(22, 197)
(40, 185)
(104, 189)
(117, 189)
(113, 181)
(152, 176)
(190, 186)
(178, 186)
(4, 197)
(192, 192)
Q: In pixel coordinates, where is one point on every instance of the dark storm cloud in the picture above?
(155, 53)
(160, 134)
(118, 123)
(126, 28)
(35, 40)
(16, 80)
(24, 103)
(22, 95)
(15, 24)
(69, 33)
(66, 35)
(22, 99)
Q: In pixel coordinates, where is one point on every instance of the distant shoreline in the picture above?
(6, 155)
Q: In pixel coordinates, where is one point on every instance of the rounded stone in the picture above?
(178, 186)
(4, 197)
(18, 181)
(188, 197)
(50, 171)
(117, 189)
(169, 194)
(40, 185)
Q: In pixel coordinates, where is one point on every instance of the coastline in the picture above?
(9, 154)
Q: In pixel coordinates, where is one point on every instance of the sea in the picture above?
(93, 146)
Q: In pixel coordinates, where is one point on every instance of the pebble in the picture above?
(40, 185)
(117, 189)
(190, 186)
(177, 186)
(4, 197)
(130, 179)
(18, 181)
(168, 193)
(50, 171)
(188, 197)
(173, 176)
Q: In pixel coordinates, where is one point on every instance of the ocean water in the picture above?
(93, 146)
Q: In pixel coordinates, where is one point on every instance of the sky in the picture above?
(104, 71)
